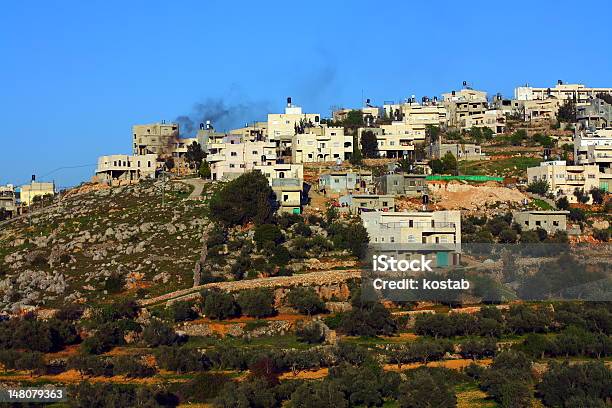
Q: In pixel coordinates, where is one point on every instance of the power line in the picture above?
(58, 169)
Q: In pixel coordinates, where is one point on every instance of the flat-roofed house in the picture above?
(550, 221)
(405, 184)
(564, 179)
(287, 182)
(28, 192)
(8, 200)
(356, 203)
(436, 233)
(117, 168)
(340, 182)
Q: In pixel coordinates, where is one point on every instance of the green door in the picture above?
(442, 259)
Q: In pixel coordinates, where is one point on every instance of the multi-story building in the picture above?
(578, 92)
(321, 144)
(156, 138)
(287, 182)
(493, 119)
(28, 192)
(597, 114)
(252, 132)
(230, 158)
(464, 103)
(533, 110)
(564, 179)
(282, 126)
(397, 139)
(549, 221)
(594, 148)
(436, 233)
(461, 151)
(405, 184)
(341, 182)
(8, 201)
(119, 168)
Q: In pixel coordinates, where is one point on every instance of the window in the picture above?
(538, 223)
(392, 239)
(527, 223)
(556, 223)
(233, 154)
(285, 197)
(385, 204)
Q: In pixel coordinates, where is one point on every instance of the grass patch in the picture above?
(513, 166)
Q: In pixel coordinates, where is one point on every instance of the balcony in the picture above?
(211, 158)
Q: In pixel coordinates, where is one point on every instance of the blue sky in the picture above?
(76, 75)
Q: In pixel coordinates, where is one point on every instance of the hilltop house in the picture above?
(549, 221)
(119, 168)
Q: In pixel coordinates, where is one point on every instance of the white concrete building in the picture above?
(437, 233)
(123, 167)
(581, 93)
(594, 148)
(231, 158)
(282, 126)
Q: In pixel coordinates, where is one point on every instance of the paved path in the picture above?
(198, 186)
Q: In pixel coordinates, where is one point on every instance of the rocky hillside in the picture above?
(94, 244)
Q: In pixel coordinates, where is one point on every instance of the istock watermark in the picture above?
(384, 263)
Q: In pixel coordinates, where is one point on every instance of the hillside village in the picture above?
(226, 268)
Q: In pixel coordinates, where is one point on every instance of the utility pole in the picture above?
(163, 194)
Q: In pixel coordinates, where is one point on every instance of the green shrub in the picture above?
(257, 302)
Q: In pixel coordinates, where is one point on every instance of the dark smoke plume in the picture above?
(223, 116)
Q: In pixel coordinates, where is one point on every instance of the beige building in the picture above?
(370, 114)
(464, 103)
(437, 233)
(549, 221)
(156, 138)
(283, 126)
(321, 144)
(287, 182)
(397, 139)
(579, 92)
(231, 158)
(252, 132)
(429, 113)
(564, 179)
(493, 119)
(28, 192)
(121, 167)
(537, 109)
